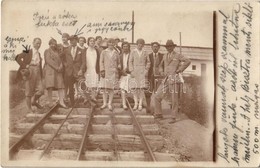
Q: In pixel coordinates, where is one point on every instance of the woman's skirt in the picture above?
(124, 83)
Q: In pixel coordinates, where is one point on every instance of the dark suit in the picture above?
(33, 85)
(23, 60)
(153, 71)
(72, 67)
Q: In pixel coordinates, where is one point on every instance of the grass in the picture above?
(194, 103)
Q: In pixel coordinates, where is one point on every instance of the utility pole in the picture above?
(180, 85)
(133, 26)
(180, 42)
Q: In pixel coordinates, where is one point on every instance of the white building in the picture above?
(202, 64)
(201, 59)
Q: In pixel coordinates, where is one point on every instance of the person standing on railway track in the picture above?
(117, 47)
(92, 69)
(65, 44)
(30, 70)
(155, 58)
(81, 42)
(53, 73)
(74, 62)
(139, 64)
(172, 64)
(109, 72)
(124, 72)
(98, 43)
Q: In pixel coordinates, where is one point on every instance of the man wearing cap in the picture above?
(155, 58)
(172, 64)
(31, 71)
(74, 62)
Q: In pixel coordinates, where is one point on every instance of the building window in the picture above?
(193, 67)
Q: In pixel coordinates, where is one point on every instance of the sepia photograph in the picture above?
(115, 82)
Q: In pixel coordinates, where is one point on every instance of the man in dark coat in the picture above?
(74, 62)
(31, 71)
(117, 48)
(98, 44)
(155, 58)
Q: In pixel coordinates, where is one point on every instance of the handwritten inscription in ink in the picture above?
(109, 26)
(10, 45)
(237, 103)
(47, 19)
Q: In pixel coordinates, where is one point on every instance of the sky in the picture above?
(153, 21)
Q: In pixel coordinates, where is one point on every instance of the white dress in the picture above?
(124, 80)
(90, 75)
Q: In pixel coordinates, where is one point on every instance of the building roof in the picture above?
(194, 53)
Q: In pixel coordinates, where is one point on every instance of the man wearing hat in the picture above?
(155, 58)
(173, 63)
(74, 62)
(31, 71)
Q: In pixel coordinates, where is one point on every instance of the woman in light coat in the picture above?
(53, 71)
(139, 65)
(109, 72)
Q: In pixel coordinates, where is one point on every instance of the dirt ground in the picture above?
(185, 138)
(18, 113)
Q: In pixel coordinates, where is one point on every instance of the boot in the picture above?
(36, 100)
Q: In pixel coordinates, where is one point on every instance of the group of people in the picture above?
(103, 66)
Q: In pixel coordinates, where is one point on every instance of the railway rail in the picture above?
(89, 133)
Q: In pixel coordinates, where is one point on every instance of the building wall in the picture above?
(197, 65)
(197, 55)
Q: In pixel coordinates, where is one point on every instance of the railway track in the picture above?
(90, 134)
